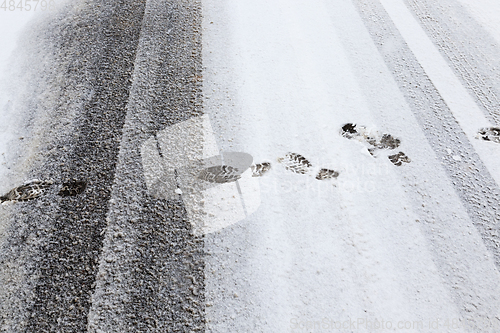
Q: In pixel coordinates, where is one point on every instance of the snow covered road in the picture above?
(169, 88)
(415, 243)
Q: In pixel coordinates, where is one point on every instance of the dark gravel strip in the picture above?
(70, 257)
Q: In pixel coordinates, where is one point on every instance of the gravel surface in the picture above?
(395, 222)
(93, 80)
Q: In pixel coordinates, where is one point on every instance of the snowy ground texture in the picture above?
(149, 102)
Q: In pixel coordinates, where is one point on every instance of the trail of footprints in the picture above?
(298, 164)
(36, 188)
(293, 162)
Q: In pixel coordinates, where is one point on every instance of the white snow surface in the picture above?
(16, 25)
(486, 12)
(12, 24)
(380, 242)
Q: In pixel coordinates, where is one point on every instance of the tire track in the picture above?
(471, 180)
(151, 274)
(76, 97)
(469, 49)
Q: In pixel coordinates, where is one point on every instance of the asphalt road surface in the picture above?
(252, 166)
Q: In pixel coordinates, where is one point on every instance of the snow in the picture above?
(458, 99)
(381, 242)
(486, 12)
(284, 76)
(16, 25)
(222, 205)
(12, 24)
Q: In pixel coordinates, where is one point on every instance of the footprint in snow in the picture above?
(72, 188)
(293, 162)
(399, 158)
(36, 188)
(260, 169)
(220, 174)
(489, 134)
(326, 174)
(374, 142)
(299, 164)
